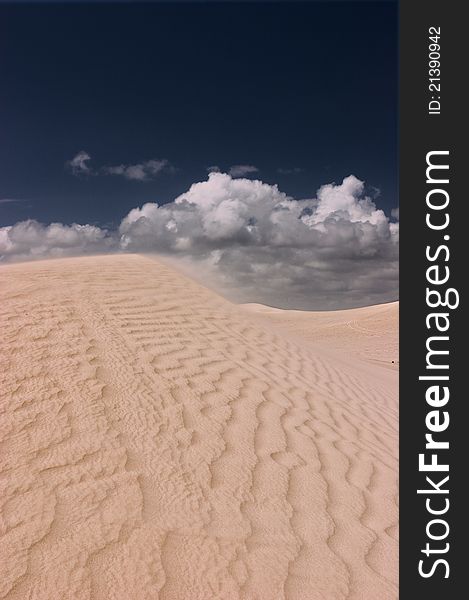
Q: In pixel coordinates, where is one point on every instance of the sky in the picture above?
(104, 108)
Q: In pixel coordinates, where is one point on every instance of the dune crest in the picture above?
(161, 442)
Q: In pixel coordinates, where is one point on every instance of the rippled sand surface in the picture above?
(159, 442)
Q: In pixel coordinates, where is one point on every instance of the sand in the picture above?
(372, 332)
(159, 442)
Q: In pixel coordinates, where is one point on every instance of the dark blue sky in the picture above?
(310, 85)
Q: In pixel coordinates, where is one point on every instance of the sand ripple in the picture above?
(158, 442)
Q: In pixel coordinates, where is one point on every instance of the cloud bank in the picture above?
(250, 240)
(29, 240)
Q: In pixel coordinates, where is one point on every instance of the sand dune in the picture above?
(370, 333)
(159, 442)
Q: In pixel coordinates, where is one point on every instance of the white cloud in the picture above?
(141, 171)
(395, 213)
(242, 170)
(334, 250)
(138, 172)
(251, 240)
(78, 164)
(30, 239)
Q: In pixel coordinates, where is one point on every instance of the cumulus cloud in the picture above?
(78, 164)
(143, 171)
(30, 239)
(260, 245)
(395, 213)
(252, 241)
